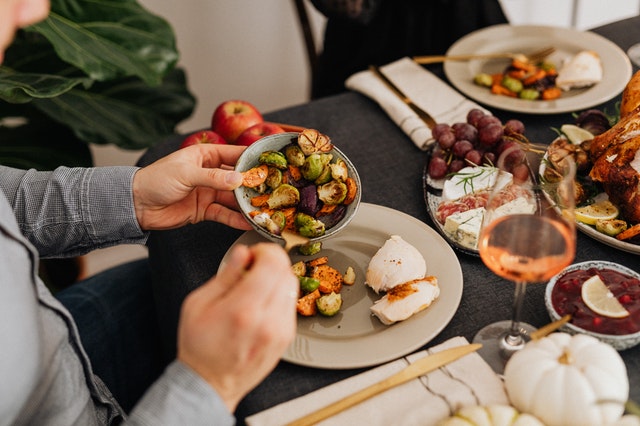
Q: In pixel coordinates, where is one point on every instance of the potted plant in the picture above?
(101, 72)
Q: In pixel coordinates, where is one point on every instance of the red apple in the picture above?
(258, 131)
(232, 117)
(202, 136)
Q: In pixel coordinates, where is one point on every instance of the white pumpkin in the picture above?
(490, 415)
(567, 380)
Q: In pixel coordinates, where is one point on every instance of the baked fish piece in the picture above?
(582, 70)
(405, 300)
(396, 262)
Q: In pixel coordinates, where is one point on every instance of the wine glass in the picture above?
(527, 236)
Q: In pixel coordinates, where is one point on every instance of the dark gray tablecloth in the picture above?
(391, 169)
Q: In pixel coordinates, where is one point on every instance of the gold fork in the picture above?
(532, 57)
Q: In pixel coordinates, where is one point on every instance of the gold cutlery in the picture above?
(549, 328)
(424, 116)
(291, 240)
(417, 369)
(532, 57)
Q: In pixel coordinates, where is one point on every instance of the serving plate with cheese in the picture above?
(456, 203)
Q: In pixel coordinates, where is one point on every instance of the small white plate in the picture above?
(528, 38)
(355, 338)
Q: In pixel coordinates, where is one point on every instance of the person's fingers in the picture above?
(219, 213)
(229, 274)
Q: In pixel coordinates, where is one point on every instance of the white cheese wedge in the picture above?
(520, 205)
(474, 179)
(405, 300)
(582, 70)
(396, 262)
(464, 227)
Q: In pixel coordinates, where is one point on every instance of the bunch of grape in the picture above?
(478, 141)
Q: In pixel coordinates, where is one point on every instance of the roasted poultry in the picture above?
(615, 155)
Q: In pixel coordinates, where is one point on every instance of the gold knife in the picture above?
(424, 116)
(417, 369)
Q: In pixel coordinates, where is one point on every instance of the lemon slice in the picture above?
(600, 300)
(602, 210)
(575, 134)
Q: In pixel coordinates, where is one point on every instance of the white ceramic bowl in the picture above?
(249, 159)
(620, 342)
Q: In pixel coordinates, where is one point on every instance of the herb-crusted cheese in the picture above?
(464, 227)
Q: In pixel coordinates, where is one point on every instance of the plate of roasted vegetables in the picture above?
(353, 337)
(584, 70)
(607, 154)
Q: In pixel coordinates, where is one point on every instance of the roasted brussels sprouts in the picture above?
(265, 221)
(294, 155)
(310, 249)
(333, 192)
(308, 284)
(273, 158)
(314, 164)
(284, 196)
(483, 79)
(308, 226)
(339, 170)
(280, 219)
(329, 304)
(299, 268)
(274, 178)
(325, 176)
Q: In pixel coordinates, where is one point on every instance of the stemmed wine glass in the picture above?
(527, 236)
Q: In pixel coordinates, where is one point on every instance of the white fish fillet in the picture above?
(396, 262)
(404, 300)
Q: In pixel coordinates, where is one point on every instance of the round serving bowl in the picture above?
(618, 341)
(249, 159)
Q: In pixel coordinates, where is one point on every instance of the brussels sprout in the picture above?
(512, 84)
(273, 158)
(329, 304)
(283, 196)
(483, 79)
(299, 268)
(308, 226)
(325, 176)
(308, 284)
(310, 249)
(280, 219)
(294, 155)
(529, 94)
(611, 227)
(333, 192)
(339, 170)
(264, 220)
(314, 165)
(274, 178)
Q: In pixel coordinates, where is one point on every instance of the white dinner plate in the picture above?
(528, 38)
(354, 338)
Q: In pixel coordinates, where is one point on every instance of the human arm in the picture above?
(232, 332)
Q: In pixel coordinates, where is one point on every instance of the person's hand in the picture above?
(234, 328)
(190, 185)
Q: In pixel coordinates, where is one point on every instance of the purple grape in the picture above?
(461, 147)
(465, 131)
(437, 167)
(440, 129)
(456, 166)
(473, 157)
(488, 119)
(474, 115)
(446, 140)
(490, 134)
(514, 126)
(489, 158)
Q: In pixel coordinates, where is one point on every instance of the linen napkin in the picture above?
(423, 87)
(423, 401)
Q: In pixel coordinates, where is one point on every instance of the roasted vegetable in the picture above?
(332, 218)
(306, 305)
(255, 176)
(329, 304)
(308, 226)
(611, 227)
(309, 200)
(308, 284)
(339, 170)
(294, 155)
(273, 158)
(330, 278)
(284, 196)
(333, 192)
(274, 178)
(310, 249)
(312, 141)
(313, 165)
(299, 268)
(593, 120)
(265, 221)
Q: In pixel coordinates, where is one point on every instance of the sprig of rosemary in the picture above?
(468, 177)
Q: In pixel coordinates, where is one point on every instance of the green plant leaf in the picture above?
(110, 39)
(23, 87)
(128, 113)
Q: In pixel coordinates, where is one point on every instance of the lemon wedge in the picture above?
(602, 210)
(575, 134)
(600, 300)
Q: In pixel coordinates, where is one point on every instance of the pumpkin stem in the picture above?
(566, 357)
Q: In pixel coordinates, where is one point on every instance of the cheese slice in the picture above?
(473, 179)
(464, 227)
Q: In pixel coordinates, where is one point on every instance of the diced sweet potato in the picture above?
(255, 176)
(330, 279)
(318, 261)
(306, 305)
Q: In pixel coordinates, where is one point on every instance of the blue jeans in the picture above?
(116, 316)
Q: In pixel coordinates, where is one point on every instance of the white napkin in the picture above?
(423, 401)
(424, 88)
